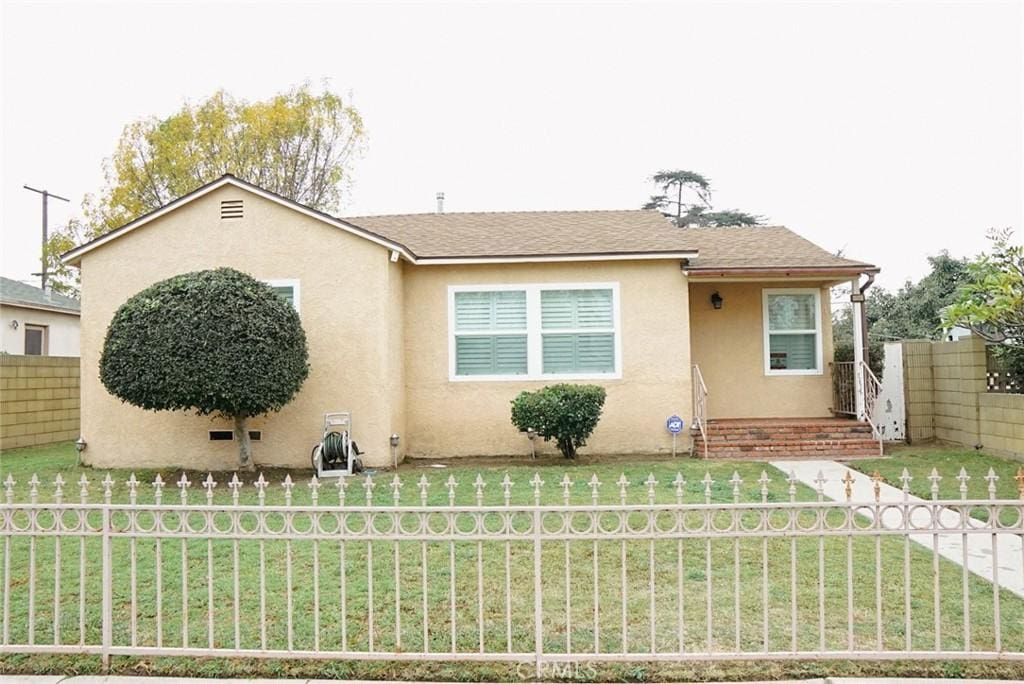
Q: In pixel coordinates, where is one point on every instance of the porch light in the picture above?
(531, 435)
(716, 300)
(394, 448)
(80, 445)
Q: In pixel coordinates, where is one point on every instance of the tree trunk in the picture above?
(244, 445)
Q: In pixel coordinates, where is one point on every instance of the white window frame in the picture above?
(534, 340)
(817, 331)
(287, 282)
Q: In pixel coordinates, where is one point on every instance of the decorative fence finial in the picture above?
(450, 484)
(58, 491)
(342, 485)
(651, 484)
(208, 484)
(595, 485)
(763, 481)
(935, 478)
(368, 485)
(707, 482)
(287, 485)
(261, 488)
(133, 488)
(234, 486)
(9, 488)
(991, 478)
(478, 485)
(314, 489)
(83, 488)
(792, 484)
(736, 481)
(876, 478)
(680, 484)
(158, 488)
(848, 484)
(108, 488)
(537, 484)
(905, 479)
(423, 484)
(819, 484)
(962, 478)
(396, 489)
(506, 488)
(183, 485)
(623, 483)
(566, 484)
(1019, 477)
(33, 488)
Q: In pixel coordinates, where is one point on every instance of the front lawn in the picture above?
(561, 627)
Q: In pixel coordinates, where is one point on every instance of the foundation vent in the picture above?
(231, 209)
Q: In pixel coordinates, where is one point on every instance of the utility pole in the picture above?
(46, 231)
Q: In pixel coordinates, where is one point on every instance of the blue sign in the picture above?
(674, 424)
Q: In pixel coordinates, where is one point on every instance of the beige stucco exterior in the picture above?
(379, 339)
(728, 345)
(344, 304)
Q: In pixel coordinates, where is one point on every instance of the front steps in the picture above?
(771, 438)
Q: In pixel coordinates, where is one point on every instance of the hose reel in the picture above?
(337, 454)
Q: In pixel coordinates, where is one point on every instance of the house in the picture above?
(37, 322)
(427, 326)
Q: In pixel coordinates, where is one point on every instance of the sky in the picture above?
(889, 131)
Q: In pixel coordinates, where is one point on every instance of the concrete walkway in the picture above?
(100, 679)
(1008, 547)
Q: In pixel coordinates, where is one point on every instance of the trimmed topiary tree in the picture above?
(567, 414)
(215, 342)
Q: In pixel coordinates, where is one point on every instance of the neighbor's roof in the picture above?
(530, 233)
(16, 293)
(505, 237)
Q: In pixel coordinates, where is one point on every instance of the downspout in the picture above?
(864, 312)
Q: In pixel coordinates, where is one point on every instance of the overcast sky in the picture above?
(890, 131)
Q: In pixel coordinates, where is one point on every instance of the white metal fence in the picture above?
(535, 572)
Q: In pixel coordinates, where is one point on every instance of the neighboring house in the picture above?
(428, 325)
(37, 322)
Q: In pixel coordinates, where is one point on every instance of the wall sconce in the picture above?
(14, 325)
(531, 435)
(716, 300)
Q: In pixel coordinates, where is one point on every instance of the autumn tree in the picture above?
(685, 197)
(299, 144)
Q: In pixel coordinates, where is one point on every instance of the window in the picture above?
(792, 332)
(534, 332)
(35, 340)
(287, 290)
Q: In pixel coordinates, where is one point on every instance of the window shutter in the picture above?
(490, 355)
(791, 312)
(574, 309)
(579, 353)
(490, 310)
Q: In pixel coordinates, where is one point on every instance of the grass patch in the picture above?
(679, 575)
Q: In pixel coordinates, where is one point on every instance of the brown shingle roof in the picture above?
(760, 247)
(565, 233)
(527, 233)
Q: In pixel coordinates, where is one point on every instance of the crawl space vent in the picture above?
(231, 209)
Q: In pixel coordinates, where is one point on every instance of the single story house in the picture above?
(37, 322)
(427, 325)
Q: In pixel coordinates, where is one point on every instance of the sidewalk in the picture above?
(979, 546)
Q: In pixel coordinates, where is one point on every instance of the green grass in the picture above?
(579, 627)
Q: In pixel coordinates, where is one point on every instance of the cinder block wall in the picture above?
(39, 400)
(947, 398)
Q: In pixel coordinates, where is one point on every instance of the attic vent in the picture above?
(231, 209)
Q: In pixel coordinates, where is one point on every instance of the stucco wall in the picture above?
(346, 320)
(728, 345)
(62, 330)
(38, 400)
(446, 418)
(947, 398)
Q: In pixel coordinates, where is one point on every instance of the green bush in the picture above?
(216, 342)
(565, 413)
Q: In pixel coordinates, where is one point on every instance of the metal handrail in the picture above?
(700, 406)
(872, 388)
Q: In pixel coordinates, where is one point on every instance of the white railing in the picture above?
(700, 406)
(872, 388)
(643, 572)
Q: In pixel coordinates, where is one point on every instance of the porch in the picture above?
(774, 438)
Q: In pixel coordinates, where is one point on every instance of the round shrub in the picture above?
(565, 413)
(214, 342)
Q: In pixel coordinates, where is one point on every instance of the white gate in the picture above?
(890, 415)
